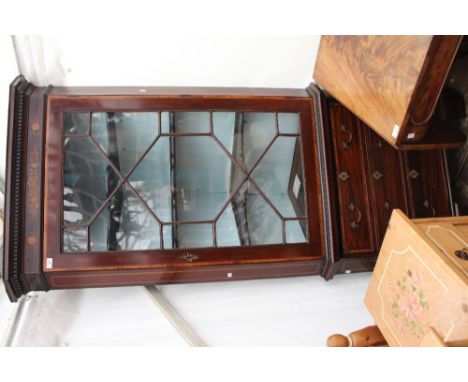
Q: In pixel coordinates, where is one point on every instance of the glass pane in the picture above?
(188, 236)
(279, 176)
(75, 240)
(185, 122)
(124, 224)
(76, 123)
(205, 178)
(249, 220)
(296, 231)
(224, 124)
(245, 135)
(152, 179)
(166, 122)
(289, 123)
(124, 136)
(191, 122)
(87, 180)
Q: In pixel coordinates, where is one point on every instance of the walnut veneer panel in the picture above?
(385, 80)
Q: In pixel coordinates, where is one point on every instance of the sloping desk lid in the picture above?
(389, 82)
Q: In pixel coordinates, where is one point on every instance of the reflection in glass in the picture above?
(75, 240)
(245, 135)
(187, 236)
(124, 136)
(124, 224)
(224, 124)
(241, 179)
(185, 122)
(76, 123)
(152, 179)
(205, 178)
(249, 220)
(288, 123)
(279, 176)
(87, 180)
(296, 231)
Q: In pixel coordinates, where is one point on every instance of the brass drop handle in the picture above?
(427, 204)
(345, 144)
(462, 254)
(188, 257)
(355, 223)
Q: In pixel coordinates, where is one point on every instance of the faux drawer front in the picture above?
(357, 235)
(386, 180)
(427, 181)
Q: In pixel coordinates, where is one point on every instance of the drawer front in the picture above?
(356, 230)
(428, 186)
(386, 180)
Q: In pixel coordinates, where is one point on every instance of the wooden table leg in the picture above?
(369, 336)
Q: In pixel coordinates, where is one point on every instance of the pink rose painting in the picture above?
(409, 304)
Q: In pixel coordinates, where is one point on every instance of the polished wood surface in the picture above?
(372, 179)
(355, 215)
(392, 83)
(368, 336)
(163, 258)
(173, 275)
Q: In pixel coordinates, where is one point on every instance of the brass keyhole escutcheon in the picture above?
(413, 174)
(377, 175)
(188, 257)
(343, 175)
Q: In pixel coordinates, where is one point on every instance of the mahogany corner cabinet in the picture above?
(159, 185)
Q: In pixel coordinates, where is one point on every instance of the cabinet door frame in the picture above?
(54, 260)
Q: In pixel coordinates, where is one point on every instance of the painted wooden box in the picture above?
(419, 284)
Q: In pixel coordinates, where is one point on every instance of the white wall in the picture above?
(160, 60)
(8, 72)
(168, 60)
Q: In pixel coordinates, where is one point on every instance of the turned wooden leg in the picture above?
(369, 336)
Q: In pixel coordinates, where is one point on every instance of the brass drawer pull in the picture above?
(413, 174)
(377, 175)
(188, 257)
(345, 144)
(387, 206)
(427, 204)
(343, 175)
(355, 223)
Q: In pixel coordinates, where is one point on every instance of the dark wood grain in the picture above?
(332, 249)
(355, 214)
(14, 189)
(160, 259)
(428, 184)
(171, 275)
(387, 187)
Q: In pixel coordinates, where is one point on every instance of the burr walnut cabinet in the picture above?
(393, 83)
(139, 186)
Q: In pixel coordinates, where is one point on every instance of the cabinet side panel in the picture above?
(14, 189)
